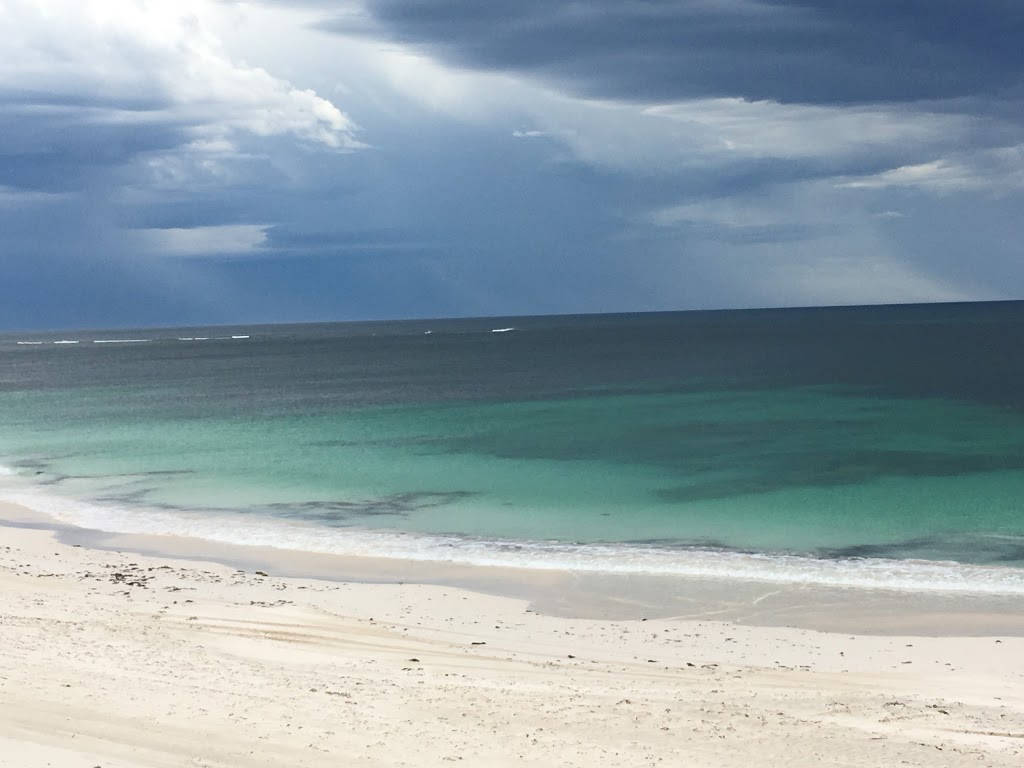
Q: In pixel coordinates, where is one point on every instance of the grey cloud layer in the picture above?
(738, 153)
(801, 51)
(52, 147)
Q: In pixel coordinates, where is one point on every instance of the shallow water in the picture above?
(877, 446)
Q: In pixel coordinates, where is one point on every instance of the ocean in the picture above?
(873, 447)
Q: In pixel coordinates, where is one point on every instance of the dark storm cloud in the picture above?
(29, 99)
(52, 146)
(535, 204)
(801, 51)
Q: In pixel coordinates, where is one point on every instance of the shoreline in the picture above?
(588, 595)
(125, 660)
(992, 580)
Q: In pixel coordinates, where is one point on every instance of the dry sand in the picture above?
(117, 659)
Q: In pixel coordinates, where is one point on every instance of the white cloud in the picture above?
(611, 134)
(769, 129)
(225, 240)
(999, 169)
(939, 175)
(716, 132)
(796, 211)
(727, 213)
(152, 60)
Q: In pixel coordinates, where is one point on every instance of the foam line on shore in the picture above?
(238, 529)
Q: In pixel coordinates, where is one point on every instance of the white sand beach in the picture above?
(122, 660)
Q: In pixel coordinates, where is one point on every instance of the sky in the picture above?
(213, 161)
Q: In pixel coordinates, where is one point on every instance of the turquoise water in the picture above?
(829, 446)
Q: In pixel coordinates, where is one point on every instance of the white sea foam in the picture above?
(233, 528)
(30, 343)
(119, 341)
(501, 330)
(66, 341)
(239, 337)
